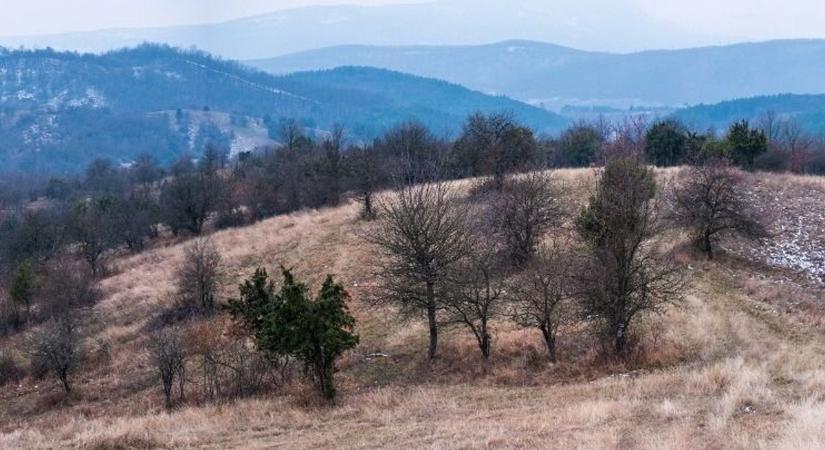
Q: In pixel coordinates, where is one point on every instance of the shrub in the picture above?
(199, 276)
(169, 358)
(708, 201)
(10, 371)
(288, 323)
(623, 279)
(526, 209)
(56, 350)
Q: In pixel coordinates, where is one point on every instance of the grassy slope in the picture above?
(725, 370)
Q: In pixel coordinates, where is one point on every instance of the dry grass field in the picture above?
(740, 364)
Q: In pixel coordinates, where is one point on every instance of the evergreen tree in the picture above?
(744, 143)
(666, 143)
(289, 323)
(624, 279)
(23, 286)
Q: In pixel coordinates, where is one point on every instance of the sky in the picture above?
(743, 19)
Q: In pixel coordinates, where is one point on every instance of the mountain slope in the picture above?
(808, 110)
(385, 96)
(60, 110)
(433, 22)
(546, 73)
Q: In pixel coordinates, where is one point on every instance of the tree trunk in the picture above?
(431, 319)
(485, 346)
(64, 378)
(550, 343)
(325, 375)
(368, 213)
(620, 339)
(707, 245)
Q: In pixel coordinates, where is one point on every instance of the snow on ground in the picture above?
(793, 208)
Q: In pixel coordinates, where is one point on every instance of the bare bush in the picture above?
(525, 210)
(541, 296)
(709, 201)
(229, 366)
(476, 291)
(169, 358)
(10, 370)
(199, 276)
(56, 349)
(66, 288)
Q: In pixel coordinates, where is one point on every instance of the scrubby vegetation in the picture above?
(526, 286)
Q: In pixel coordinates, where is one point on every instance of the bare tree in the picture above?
(422, 235)
(628, 139)
(56, 349)
(525, 210)
(91, 226)
(476, 290)
(416, 153)
(169, 358)
(708, 200)
(366, 174)
(771, 125)
(541, 296)
(67, 289)
(495, 144)
(199, 276)
(796, 143)
(624, 278)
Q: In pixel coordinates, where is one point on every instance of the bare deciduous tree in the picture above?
(169, 358)
(476, 291)
(708, 201)
(199, 276)
(68, 289)
(422, 235)
(525, 210)
(56, 349)
(541, 296)
(367, 174)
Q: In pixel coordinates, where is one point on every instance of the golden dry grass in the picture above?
(724, 370)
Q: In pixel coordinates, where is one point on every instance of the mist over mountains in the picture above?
(556, 76)
(619, 26)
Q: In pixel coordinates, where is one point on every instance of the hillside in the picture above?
(58, 111)
(808, 110)
(739, 365)
(557, 76)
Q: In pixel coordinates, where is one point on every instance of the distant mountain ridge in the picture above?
(555, 76)
(60, 110)
(457, 22)
(808, 110)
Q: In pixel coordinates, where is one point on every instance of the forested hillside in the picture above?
(58, 111)
(807, 110)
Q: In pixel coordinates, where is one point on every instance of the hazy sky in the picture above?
(746, 19)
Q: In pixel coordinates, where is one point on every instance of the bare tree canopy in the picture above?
(476, 290)
(422, 235)
(199, 276)
(708, 200)
(541, 296)
(525, 210)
